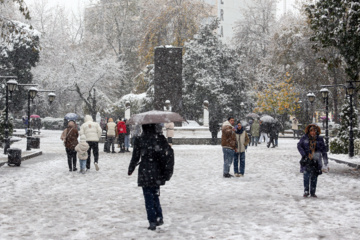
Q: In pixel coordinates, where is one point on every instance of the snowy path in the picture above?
(42, 200)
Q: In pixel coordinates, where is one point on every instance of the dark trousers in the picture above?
(71, 156)
(111, 141)
(152, 203)
(310, 181)
(214, 138)
(95, 147)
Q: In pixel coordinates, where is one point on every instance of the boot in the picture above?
(127, 150)
(152, 226)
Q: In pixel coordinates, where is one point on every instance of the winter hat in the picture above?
(82, 138)
(71, 124)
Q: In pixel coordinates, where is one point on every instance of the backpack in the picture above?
(167, 164)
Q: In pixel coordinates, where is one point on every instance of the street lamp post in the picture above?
(31, 95)
(325, 95)
(311, 97)
(10, 87)
(350, 90)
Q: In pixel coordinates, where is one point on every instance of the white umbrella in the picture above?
(153, 117)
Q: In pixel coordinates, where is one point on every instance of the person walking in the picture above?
(169, 132)
(314, 159)
(127, 137)
(264, 130)
(120, 133)
(156, 167)
(92, 132)
(228, 143)
(272, 132)
(69, 137)
(295, 127)
(82, 149)
(242, 141)
(110, 134)
(255, 132)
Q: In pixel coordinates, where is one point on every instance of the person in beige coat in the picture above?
(92, 132)
(111, 133)
(295, 127)
(242, 141)
(169, 132)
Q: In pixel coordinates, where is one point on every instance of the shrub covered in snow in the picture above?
(340, 144)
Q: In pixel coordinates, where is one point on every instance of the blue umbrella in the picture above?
(71, 116)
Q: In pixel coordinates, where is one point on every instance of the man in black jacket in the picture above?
(156, 167)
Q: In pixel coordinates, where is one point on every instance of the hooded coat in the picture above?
(90, 129)
(228, 138)
(151, 148)
(303, 146)
(82, 149)
(70, 136)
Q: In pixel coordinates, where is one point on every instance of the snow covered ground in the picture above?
(43, 200)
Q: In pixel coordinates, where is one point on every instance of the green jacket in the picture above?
(255, 129)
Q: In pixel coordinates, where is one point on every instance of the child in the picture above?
(81, 149)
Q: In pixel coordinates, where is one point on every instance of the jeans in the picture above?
(254, 140)
(82, 164)
(310, 181)
(95, 147)
(71, 156)
(127, 141)
(152, 203)
(240, 170)
(228, 158)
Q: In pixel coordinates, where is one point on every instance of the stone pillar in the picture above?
(206, 113)
(127, 110)
(168, 78)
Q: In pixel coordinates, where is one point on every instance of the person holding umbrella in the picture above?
(155, 158)
(69, 136)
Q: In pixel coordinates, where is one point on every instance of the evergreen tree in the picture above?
(336, 23)
(211, 72)
(340, 144)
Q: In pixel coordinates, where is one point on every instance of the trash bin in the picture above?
(35, 142)
(14, 156)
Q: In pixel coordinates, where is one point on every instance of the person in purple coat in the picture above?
(313, 152)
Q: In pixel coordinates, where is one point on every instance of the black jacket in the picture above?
(154, 168)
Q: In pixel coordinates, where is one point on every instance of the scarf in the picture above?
(239, 131)
(312, 145)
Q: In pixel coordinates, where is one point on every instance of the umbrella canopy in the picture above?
(252, 115)
(34, 116)
(71, 116)
(153, 117)
(267, 119)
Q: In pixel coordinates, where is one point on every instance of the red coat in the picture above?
(121, 127)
